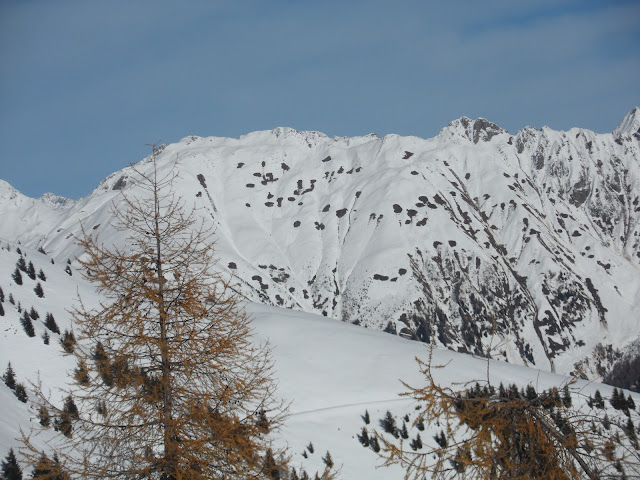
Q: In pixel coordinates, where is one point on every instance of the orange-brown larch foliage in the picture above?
(170, 384)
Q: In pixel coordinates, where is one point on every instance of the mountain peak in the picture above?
(630, 124)
(477, 130)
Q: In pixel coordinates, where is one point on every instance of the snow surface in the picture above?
(331, 372)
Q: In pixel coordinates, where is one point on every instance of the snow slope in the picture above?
(330, 371)
(473, 234)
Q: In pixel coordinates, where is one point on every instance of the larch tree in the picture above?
(488, 433)
(170, 382)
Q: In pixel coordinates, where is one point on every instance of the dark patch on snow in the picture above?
(200, 178)
(120, 184)
(407, 155)
(382, 278)
(397, 208)
(340, 213)
(232, 265)
(296, 224)
(327, 159)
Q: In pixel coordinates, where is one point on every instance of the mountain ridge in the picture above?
(468, 238)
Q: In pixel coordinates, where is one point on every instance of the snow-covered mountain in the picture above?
(524, 246)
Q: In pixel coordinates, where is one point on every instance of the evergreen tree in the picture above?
(375, 445)
(404, 433)
(68, 270)
(598, 401)
(617, 399)
(27, 325)
(363, 438)
(38, 290)
(68, 341)
(270, 467)
(310, 447)
(365, 417)
(31, 271)
(45, 338)
(10, 468)
(11, 299)
(21, 264)
(388, 424)
(51, 324)
(566, 396)
(416, 443)
(1, 310)
(187, 376)
(630, 404)
(328, 461)
(42, 276)
(43, 416)
(69, 413)
(33, 313)
(21, 393)
(17, 276)
(9, 377)
(1, 295)
(41, 250)
(43, 469)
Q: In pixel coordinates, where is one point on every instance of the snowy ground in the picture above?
(331, 372)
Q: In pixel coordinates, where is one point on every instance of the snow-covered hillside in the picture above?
(476, 234)
(330, 371)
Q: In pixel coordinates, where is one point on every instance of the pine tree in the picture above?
(11, 299)
(9, 377)
(188, 381)
(388, 424)
(365, 417)
(1, 295)
(17, 276)
(1, 310)
(51, 324)
(416, 443)
(363, 438)
(21, 264)
(33, 313)
(69, 414)
(45, 338)
(43, 416)
(10, 468)
(38, 290)
(67, 269)
(31, 271)
(68, 341)
(21, 393)
(328, 461)
(598, 401)
(42, 276)
(404, 433)
(27, 325)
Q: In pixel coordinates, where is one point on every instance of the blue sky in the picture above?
(85, 85)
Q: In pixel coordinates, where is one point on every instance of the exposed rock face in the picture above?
(523, 247)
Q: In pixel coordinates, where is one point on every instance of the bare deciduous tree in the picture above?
(510, 433)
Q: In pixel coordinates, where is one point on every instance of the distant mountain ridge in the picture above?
(524, 246)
